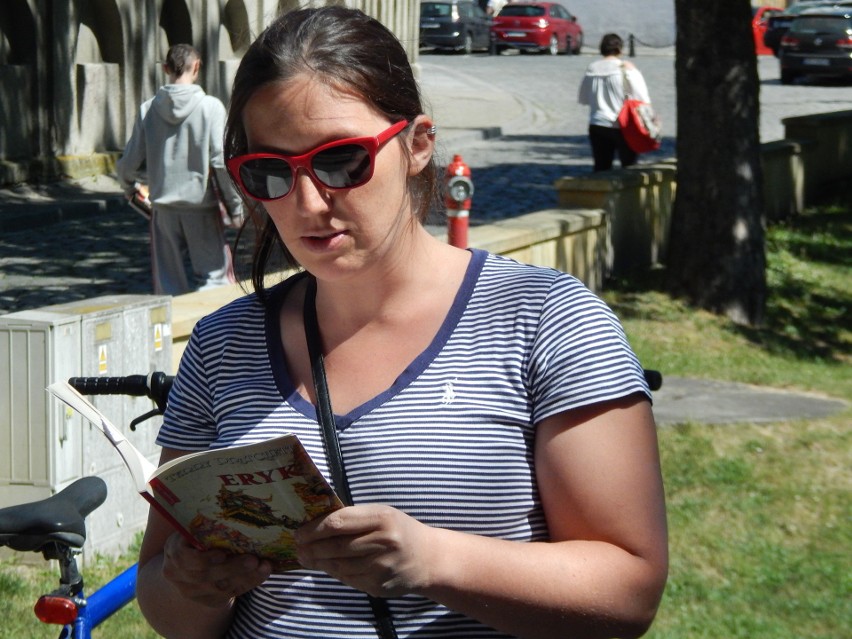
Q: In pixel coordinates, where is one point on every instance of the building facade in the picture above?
(73, 72)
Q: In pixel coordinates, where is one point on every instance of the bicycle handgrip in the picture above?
(654, 379)
(135, 385)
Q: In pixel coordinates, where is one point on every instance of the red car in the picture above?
(759, 23)
(536, 26)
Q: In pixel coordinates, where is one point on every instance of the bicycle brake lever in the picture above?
(142, 418)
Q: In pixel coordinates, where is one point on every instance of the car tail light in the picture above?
(845, 43)
(57, 610)
(789, 41)
(542, 23)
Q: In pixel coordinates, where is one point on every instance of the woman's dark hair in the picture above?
(611, 44)
(347, 49)
(179, 57)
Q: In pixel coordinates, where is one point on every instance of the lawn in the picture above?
(759, 514)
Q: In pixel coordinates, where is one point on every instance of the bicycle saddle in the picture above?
(57, 519)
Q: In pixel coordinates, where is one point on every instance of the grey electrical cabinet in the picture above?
(44, 445)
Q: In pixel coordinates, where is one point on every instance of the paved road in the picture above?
(534, 104)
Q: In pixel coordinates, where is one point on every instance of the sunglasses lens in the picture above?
(343, 166)
(266, 178)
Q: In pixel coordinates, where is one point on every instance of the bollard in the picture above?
(459, 191)
(631, 46)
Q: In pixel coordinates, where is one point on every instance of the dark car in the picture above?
(778, 24)
(457, 25)
(818, 43)
(537, 26)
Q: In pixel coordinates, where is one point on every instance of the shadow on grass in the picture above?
(809, 296)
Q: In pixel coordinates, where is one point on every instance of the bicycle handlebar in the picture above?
(654, 379)
(155, 386)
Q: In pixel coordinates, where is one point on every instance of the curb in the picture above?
(25, 216)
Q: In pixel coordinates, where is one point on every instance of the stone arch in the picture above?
(103, 19)
(18, 89)
(87, 50)
(17, 33)
(176, 23)
(289, 5)
(235, 33)
(234, 40)
(97, 56)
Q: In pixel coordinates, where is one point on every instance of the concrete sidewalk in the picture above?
(682, 400)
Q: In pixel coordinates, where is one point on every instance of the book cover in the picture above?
(242, 499)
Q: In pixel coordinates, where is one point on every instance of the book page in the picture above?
(246, 499)
(138, 465)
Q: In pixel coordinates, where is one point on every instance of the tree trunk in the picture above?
(717, 255)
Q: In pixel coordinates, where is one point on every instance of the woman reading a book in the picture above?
(494, 426)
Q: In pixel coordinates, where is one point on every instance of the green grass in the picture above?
(21, 584)
(759, 513)
(806, 337)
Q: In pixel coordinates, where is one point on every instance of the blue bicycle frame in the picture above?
(102, 603)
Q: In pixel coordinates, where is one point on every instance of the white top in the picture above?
(602, 89)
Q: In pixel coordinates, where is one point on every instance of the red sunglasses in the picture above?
(341, 164)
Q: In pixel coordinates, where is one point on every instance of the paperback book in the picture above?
(243, 499)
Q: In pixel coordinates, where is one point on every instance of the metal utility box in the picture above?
(44, 445)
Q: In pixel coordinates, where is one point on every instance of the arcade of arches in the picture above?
(73, 72)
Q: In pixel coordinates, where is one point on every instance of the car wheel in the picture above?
(553, 48)
(788, 77)
(467, 47)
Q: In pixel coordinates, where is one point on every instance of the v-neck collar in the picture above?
(285, 384)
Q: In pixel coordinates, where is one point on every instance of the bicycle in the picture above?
(56, 527)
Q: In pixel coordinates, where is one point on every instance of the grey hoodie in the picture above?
(177, 137)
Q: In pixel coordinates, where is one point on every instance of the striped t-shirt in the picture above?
(449, 443)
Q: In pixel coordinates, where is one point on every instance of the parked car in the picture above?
(818, 43)
(537, 26)
(457, 25)
(778, 24)
(759, 21)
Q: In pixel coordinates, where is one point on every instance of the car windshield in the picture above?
(803, 6)
(822, 24)
(435, 9)
(521, 10)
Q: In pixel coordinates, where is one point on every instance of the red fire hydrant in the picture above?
(459, 191)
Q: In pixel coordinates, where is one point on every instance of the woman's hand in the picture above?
(211, 578)
(376, 549)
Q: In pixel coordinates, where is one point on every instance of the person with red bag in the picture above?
(603, 90)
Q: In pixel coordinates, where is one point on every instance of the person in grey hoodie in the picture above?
(603, 90)
(176, 143)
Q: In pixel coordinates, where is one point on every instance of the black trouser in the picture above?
(606, 141)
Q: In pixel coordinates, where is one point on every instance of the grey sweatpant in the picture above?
(178, 232)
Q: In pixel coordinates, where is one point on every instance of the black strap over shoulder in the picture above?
(325, 416)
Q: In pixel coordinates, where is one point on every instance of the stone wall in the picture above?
(73, 72)
(813, 160)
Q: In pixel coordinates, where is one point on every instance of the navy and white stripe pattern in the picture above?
(450, 443)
